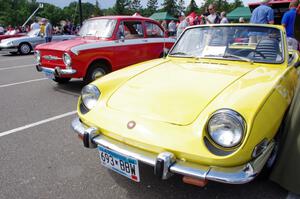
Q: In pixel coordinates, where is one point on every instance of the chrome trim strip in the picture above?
(57, 70)
(116, 43)
(231, 175)
(51, 57)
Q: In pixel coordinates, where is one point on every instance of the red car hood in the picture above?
(65, 45)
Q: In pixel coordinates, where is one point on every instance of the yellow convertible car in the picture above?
(212, 110)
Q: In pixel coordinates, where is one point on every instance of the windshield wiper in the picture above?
(227, 55)
(181, 53)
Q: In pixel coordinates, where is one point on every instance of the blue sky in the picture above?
(110, 3)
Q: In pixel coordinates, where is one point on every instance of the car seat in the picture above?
(267, 49)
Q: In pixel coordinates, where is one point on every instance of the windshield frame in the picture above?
(99, 19)
(282, 42)
(30, 33)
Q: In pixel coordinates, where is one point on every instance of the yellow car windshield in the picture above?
(245, 43)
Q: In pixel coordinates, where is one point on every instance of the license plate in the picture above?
(48, 73)
(122, 164)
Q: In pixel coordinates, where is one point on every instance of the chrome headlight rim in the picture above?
(67, 60)
(90, 95)
(38, 56)
(233, 115)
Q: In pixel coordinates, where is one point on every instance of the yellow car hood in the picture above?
(174, 92)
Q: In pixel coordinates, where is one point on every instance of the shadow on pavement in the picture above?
(72, 88)
(8, 54)
(151, 187)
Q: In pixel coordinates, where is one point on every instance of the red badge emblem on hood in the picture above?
(131, 124)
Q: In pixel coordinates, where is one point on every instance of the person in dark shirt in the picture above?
(67, 28)
(289, 18)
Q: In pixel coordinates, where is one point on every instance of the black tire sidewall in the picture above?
(61, 80)
(93, 68)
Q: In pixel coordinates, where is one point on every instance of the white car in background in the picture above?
(24, 45)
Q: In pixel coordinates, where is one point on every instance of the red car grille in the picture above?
(51, 58)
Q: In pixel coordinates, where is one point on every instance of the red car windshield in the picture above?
(102, 28)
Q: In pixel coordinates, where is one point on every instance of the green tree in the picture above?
(97, 10)
(48, 12)
(121, 7)
(181, 6)
(135, 6)
(171, 7)
(152, 6)
(14, 12)
(192, 7)
(71, 12)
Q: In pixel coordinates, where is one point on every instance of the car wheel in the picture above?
(268, 167)
(95, 71)
(61, 80)
(24, 49)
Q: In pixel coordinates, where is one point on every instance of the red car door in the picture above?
(155, 39)
(131, 46)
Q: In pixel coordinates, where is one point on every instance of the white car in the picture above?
(24, 45)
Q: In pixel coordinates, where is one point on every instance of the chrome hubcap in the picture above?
(98, 73)
(25, 49)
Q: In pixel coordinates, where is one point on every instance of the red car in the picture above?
(105, 44)
(11, 34)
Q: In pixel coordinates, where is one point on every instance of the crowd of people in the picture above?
(209, 17)
(263, 14)
(45, 27)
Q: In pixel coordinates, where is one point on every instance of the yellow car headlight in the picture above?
(89, 96)
(226, 128)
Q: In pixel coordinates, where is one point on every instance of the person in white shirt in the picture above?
(241, 20)
(224, 18)
(172, 28)
(35, 25)
(213, 17)
(183, 25)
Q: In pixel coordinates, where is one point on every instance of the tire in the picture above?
(268, 167)
(61, 80)
(95, 71)
(24, 49)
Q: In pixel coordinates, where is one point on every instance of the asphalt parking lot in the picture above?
(40, 156)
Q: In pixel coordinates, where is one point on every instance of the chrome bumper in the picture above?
(231, 175)
(57, 71)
